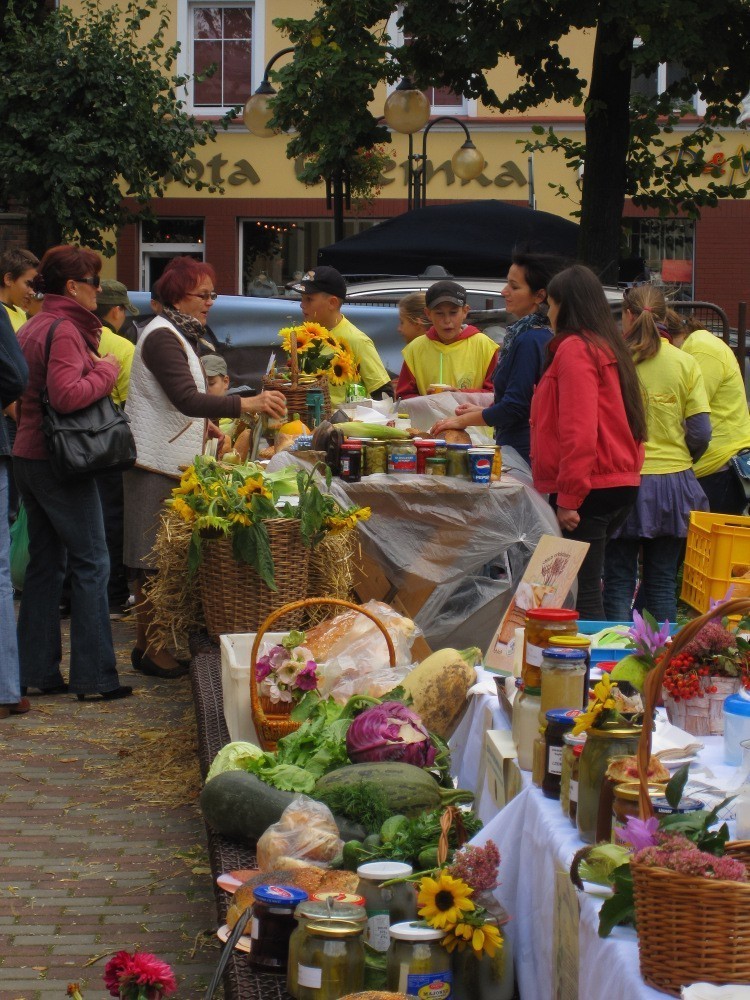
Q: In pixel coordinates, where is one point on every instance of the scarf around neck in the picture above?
(189, 325)
(535, 320)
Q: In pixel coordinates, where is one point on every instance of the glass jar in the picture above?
(563, 677)
(425, 449)
(526, 724)
(317, 911)
(388, 905)
(583, 644)
(272, 924)
(418, 962)
(540, 625)
(350, 462)
(483, 978)
(611, 740)
(574, 775)
(497, 464)
(559, 722)
(376, 458)
(402, 457)
(625, 803)
(687, 805)
(538, 757)
(435, 466)
(331, 961)
(457, 457)
(569, 743)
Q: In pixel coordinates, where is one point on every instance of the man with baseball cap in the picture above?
(323, 291)
(452, 355)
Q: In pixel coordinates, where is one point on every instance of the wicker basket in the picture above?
(297, 389)
(271, 726)
(690, 929)
(235, 598)
(703, 715)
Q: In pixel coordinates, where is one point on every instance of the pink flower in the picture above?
(648, 641)
(262, 668)
(307, 678)
(139, 975)
(477, 866)
(115, 968)
(639, 833)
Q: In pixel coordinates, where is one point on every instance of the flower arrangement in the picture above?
(235, 500)
(714, 652)
(609, 704)
(136, 976)
(320, 352)
(287, 671)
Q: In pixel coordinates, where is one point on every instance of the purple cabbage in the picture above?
(389, 732)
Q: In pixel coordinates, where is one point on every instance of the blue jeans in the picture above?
(10, 684)
(661, 561)
(66, 529)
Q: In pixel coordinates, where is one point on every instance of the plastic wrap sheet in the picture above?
(425, 410)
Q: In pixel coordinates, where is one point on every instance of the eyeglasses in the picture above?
(206, 296)
(94, 282)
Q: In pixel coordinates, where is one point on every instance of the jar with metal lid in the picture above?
(402, 457)
(686, 805)
(538, 757)
(457, 459)
(435, 466)
(563, 675)
(559, 722)
(340, 898)
(272, 924)
(331, 960)
(540, 625)
(583, 644)
(425, 449)
(574, 770)
(418, 964)
(318, 911)
(525, 729)
(570, 742)
(625, 803)
(350, 462)
(376, 458)
(385, 905)
(612, 739)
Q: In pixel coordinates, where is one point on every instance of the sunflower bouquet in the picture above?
(320, 352)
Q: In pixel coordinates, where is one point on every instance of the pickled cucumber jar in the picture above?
(613, 739)
(388, 905)
(417, 963)
(331, 961)
(483, 978)
(319, 911)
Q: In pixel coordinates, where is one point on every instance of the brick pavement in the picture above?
(98, 852)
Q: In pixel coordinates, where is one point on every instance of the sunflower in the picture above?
(443, 900)
(347, 519)
(188, 483)
(250, 486)
(185, 511)
(603, 700)
(304, 337)
(482, 937)
(341, 369)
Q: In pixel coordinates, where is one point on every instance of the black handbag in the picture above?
(741, 465)
(95, 439)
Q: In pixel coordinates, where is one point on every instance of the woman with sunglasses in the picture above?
(66, 528)
(171, 415)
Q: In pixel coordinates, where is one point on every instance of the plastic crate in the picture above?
(603, 654)
(717, 558)
(235, 682)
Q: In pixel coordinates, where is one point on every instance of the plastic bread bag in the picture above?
(352, 638)
(306, 832)
(343, 677)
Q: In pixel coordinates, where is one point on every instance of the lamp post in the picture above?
(407, 111)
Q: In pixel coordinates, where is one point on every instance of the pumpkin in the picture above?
(294, 428)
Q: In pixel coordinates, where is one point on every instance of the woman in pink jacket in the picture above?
(65, 518)
(587, 425)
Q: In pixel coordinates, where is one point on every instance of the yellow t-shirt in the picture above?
(674, 390)
(372, 372)
(730, 421)
(112, 343)
(16, 315)
(464, 361)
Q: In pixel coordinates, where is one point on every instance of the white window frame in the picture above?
(661, 83)
(185, 56)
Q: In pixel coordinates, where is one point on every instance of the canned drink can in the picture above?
(355, 391)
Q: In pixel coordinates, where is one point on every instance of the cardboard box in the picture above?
(235, 682)
(503, 773)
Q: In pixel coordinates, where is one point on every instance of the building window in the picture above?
(165, 238)
(652, 84)
(443, 100)
(665, 247)
(222, 36)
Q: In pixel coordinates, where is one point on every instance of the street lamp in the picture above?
(407, 110)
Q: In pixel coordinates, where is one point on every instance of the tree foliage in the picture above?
(90, 113)
(343, 51)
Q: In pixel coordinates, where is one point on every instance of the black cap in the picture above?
(322, 279)
(445, 291)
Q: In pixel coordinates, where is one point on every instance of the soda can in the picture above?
(355, 391)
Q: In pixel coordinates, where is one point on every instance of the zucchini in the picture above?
(410, 790)
(241, 807)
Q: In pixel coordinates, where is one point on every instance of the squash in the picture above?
(294, 427)
(409, 790)
(241, 807)
(439, 685)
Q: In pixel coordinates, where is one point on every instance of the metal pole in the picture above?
(338, 204)
(410, 175)
(422, 181)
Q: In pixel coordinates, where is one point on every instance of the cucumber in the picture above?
(241, 807)
(409, 789)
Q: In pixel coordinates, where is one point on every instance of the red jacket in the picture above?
(73, 379)
(580, 437)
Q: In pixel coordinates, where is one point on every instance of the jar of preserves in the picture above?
(385, 905)
(538, 757)
(485, 978)
(497, 464)
(457, 458)
(540, 625)
(574, 773)
(376, 458)
(559, 722)
(318, 911)
(435, 466)
(425, 449)
(625, 803)
(583, 644)
(610, 740)
(526, 707)
(331, 960)
(350, 462)
(686, 805)
(272, 924)
(402, 457)
(570, 742)
(563, 676)
(418, 962)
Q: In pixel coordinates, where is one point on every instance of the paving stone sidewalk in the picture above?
(95, 856)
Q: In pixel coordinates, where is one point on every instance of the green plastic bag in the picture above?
(19, 549)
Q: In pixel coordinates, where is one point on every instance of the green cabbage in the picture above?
(233, 757)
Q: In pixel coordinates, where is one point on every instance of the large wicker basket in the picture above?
(235, 598)
(273, 722)
(690, 929)
(297, 388)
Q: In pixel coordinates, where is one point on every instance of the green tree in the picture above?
(90, 114)
(456, 43)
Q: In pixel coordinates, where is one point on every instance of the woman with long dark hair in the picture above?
(587, 425)
(65, 518)
(679, 430)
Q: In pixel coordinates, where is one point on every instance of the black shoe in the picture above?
(136, 655)
(123, 691)
(54, 689)
(147, 666)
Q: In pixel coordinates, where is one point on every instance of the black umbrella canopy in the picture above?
(473, 238)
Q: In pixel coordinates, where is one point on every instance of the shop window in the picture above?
(164, 238)
(665, 248)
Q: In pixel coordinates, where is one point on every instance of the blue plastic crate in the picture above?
(604, 654)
